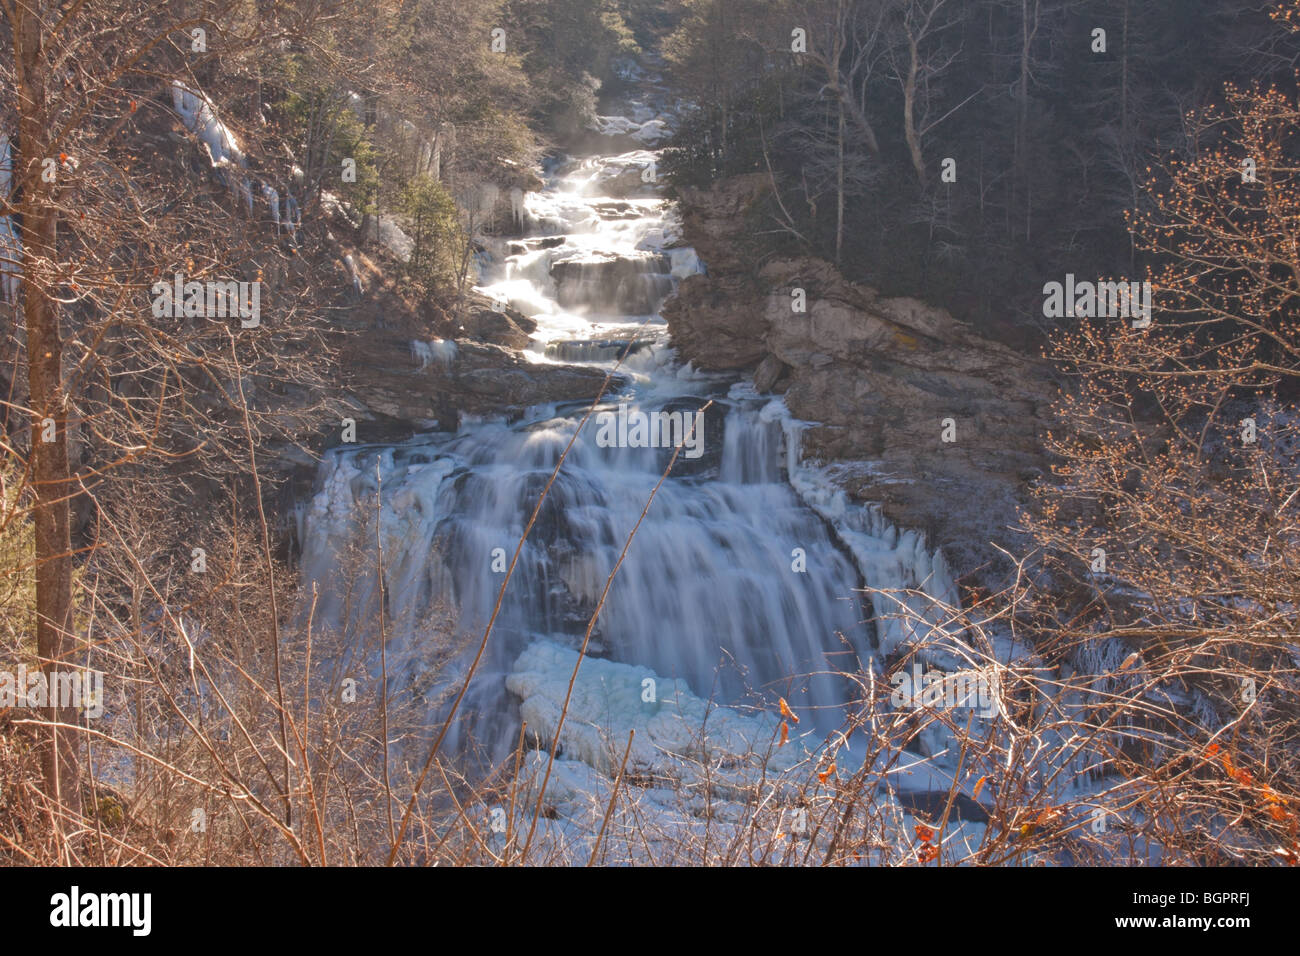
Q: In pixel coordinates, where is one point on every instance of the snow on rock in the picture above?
(676, 731)
(652, 131)
(335, 206)
(614, 125)
(648, 131)
(397, 241)
(200, 118)
(619, 176)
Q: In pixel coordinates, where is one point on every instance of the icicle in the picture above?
(441, 351)
(6, 166)
(517, 206)
(200, 118)
(489, 193)
(273, 200)
(426, 156)
(10, 248)
(11, 251)
(292, 216)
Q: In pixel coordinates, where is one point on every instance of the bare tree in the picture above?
(111, 380)
(920, 59)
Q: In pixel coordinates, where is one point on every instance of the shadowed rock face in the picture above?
(708, 318)
(878, 375)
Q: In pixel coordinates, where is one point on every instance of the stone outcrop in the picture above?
(883, 380)
(712, 318)
(392, 383)
(396, 372)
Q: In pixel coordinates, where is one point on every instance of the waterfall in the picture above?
(709, 591)
(743, 582)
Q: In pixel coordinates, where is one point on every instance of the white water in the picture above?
(741, 581)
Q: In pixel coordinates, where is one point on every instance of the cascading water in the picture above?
(732, 584)
(707, 592)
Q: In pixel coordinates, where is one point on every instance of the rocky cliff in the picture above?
(917, 410)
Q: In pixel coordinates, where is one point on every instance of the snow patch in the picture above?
(685, 262)
(200, 118)
(397, 241)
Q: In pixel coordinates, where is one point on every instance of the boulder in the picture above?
(769, 373)
(486, 321)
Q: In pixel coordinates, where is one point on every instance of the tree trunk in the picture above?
(909, 110)
(1020, 162)
(839, 189)
(49, 459)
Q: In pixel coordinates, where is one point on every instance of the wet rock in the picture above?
(617, 210)
(710, 324)
(710, 438)
(491, 322)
